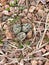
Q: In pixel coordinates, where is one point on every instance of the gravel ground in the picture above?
(24, 32)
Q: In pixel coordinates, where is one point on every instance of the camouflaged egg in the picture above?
(16, 28)
(21, 36)
(26, 27)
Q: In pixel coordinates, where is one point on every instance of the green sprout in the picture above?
(21, 8)
(20, 46)
(13, 20)
(1, 42)
(13, 3)
(46, 38)
(21, 56)
(16, 1)
(27, 42)
(8, 9)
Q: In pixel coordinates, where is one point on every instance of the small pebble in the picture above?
(29, 34)
(40, 62)
(25, 11)
(43, 50)
(34, 62)
(29, 15)
(32, 8)
(23, 20)
(47, 47)
(22, 14)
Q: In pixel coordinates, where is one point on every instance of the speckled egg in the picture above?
(21, 36)
(16, 28)
(26, 27)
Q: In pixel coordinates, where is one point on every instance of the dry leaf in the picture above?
(29, 34)
(8, 32)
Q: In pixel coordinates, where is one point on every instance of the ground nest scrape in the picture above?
(24, 32)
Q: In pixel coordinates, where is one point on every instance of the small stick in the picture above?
(27, 4)
(46, 54)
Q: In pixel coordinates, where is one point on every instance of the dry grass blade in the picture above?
(21, 62)
(42, 37)
(1, 52)
(27, 4)
(46, 54)
(38, 49)
(44, 45)
(2, 61)
(40, 58)
(40, 41)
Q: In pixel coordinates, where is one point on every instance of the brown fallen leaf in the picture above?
(8, 33)
(29, 34)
